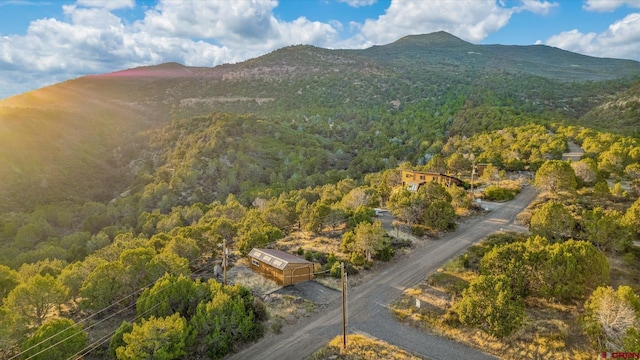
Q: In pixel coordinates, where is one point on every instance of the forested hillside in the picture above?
(621, 111)
(76, 140)
(128, 181)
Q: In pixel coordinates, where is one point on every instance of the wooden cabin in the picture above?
(279, 266)
(411, 180)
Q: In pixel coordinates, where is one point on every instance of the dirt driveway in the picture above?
(310, 290)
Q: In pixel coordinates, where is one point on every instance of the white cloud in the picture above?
(620, 40)
(609, 5)
(470, 20)
(243, 21)
(91, 39)
(23, 3)
(107, 4)
(537, 7)
(573, 40)
(358, 3)
(246, 27)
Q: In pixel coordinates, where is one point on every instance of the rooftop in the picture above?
(276, 258)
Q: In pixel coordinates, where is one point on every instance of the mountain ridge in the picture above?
(427, 78)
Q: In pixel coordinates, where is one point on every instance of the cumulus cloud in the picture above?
(609, 5)
(470, 20)
(249, 27)
(620, 40)
(226, 20)
(92, 39)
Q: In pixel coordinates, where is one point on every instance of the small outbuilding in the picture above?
(279, 266)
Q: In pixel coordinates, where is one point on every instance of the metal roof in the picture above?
(276, 258)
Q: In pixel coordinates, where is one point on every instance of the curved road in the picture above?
(368, 303)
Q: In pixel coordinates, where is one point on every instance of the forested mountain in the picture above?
(621, 111)
(77, 140)
(118, 190)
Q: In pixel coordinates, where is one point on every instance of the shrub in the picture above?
(55, 339)
(457, 264)
(320, 257)
(495, 193)
(385, 254)
(419, 230)
(331, 258)
(358, 259)
(489, 304)
(552, 221)
(117, 340)
(335, 270)
(572, 270)
(156, 338)
(308, 255)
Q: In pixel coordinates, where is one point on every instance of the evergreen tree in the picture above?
(37, 298)
(556, 176)
(55, 339)
(489, 304)
(164, 338)
(552, 221)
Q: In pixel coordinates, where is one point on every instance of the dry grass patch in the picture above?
(286, 310)
(360, 347)
(552, 331)
(625, 269)
(311, 242)
(242, 275)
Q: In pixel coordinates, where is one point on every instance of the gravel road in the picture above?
(368, 303)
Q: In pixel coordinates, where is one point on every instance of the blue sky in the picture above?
(43, 42)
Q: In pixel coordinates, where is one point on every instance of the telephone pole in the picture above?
(224, 261)
(343, 276)
(473, 172)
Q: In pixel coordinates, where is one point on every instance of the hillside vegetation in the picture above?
(76, 140)
(118, 189)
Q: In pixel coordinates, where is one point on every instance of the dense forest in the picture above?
(124, 208)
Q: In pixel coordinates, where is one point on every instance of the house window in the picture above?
(407, 176)
(421, 177)
(255, 262)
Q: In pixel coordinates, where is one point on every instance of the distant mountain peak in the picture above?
(439, 38)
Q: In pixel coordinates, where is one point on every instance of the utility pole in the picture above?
(224, 261)
(472, 157)
(343, 276)
(473, 172)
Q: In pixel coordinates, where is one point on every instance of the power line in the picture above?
(96, 344)
(103, 339)
(93, 315)
(69, 337)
